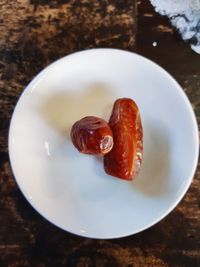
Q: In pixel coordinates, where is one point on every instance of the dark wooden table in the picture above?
(33, 34)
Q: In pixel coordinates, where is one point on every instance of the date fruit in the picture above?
(92, 135)
(125, 158)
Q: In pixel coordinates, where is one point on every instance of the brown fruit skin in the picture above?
(124, 160)
(92, 135)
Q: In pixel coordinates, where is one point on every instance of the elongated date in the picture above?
(92, 135)
(125, 158)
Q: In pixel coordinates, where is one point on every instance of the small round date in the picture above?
(92, 135)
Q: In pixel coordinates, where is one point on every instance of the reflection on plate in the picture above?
(71, 190)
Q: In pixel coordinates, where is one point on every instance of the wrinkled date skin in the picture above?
(125, 158)
(92, 135)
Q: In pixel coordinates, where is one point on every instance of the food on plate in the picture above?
(124, 160)
(120, 140)
(92, 135)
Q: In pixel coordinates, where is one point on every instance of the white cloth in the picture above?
(185, 16)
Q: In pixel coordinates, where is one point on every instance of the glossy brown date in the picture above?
(125, 158)
(92, 135)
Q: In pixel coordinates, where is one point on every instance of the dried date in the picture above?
(125, 158)
(92, 135)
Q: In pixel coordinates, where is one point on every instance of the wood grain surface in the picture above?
(33, 34)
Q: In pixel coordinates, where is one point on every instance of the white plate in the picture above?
(70, 189)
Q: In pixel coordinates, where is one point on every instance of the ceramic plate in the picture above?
(71, 189)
